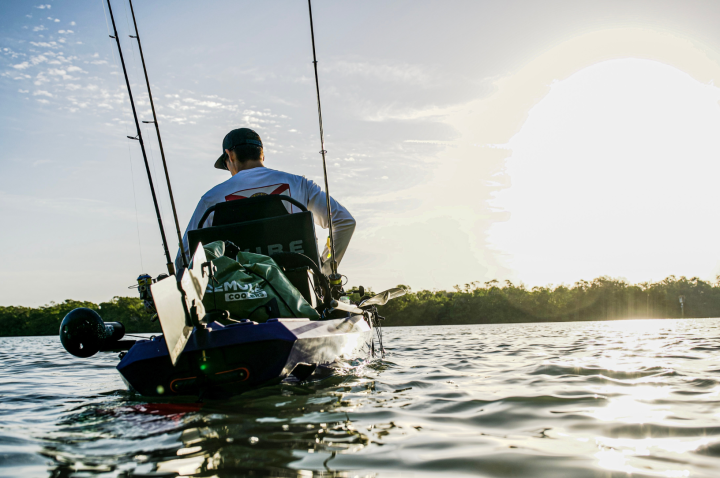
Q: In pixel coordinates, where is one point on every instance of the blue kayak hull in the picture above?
(226, 360)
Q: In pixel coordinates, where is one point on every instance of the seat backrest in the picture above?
(261, 225)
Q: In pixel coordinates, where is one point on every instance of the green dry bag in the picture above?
(252, 287)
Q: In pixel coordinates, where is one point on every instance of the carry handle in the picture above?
(273, 197)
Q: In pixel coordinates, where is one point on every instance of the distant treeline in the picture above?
(46, 320)
(602, 299)
(488, 303)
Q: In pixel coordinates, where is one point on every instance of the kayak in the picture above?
(223, 360)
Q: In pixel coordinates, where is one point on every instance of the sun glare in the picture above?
(614, 173)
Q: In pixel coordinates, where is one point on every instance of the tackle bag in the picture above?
(252, 287)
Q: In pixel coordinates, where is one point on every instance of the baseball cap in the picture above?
(234, 138)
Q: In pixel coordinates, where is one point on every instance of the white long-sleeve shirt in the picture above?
(261, 181)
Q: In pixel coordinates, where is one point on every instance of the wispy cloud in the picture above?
(45, 44)
(43, 7)
(396, 72)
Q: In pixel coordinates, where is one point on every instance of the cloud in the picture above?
(45, 44)
(402, 73)
(43, 7)
(39, 28)
(58, 72)
(65, 31)
(23, 91)
(11, 53)
(73, 24)
(42, 93)
(21, 66)
(43, 101)
(75, 68)
(41, 78)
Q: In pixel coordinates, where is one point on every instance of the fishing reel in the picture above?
(336, 285)
(144, 281)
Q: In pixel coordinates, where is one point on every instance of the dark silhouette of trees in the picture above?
(492, 302)
(46, 320)
(602, 299)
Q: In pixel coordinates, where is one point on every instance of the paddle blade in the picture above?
(383, 297)
(172, 313)
(194, 282)
(179, 305)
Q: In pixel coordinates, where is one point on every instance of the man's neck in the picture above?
(250, 164)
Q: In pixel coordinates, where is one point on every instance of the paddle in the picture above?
(383, 297)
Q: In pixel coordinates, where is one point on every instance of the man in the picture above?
(243, 156)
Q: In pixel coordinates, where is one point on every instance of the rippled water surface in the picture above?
(593, 399)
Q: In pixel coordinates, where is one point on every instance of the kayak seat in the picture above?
(261, 225)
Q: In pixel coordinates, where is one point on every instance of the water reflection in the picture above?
(587, 399)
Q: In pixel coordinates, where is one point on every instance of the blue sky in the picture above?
(418, 146)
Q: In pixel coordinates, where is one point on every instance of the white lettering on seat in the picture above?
(296, 246)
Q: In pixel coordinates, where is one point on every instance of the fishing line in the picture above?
(135, 73)
(170, 264)
(137, 219)
(152, 160)
(159, 139)
(132, 173)
(133, 63)
(334, 279)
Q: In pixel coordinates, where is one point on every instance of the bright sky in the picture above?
(542, 142)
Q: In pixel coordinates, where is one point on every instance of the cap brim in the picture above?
(220, 163)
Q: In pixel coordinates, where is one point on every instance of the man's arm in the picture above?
(343, 223)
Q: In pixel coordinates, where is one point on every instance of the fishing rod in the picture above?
(157, 130)
(335, 279)
(170, 265)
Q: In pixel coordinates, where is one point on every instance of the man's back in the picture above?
(261, 181)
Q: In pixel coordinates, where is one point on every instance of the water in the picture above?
(593, 399)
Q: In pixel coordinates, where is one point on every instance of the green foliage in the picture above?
(46, 320)
(474, 303)
(602, 299)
